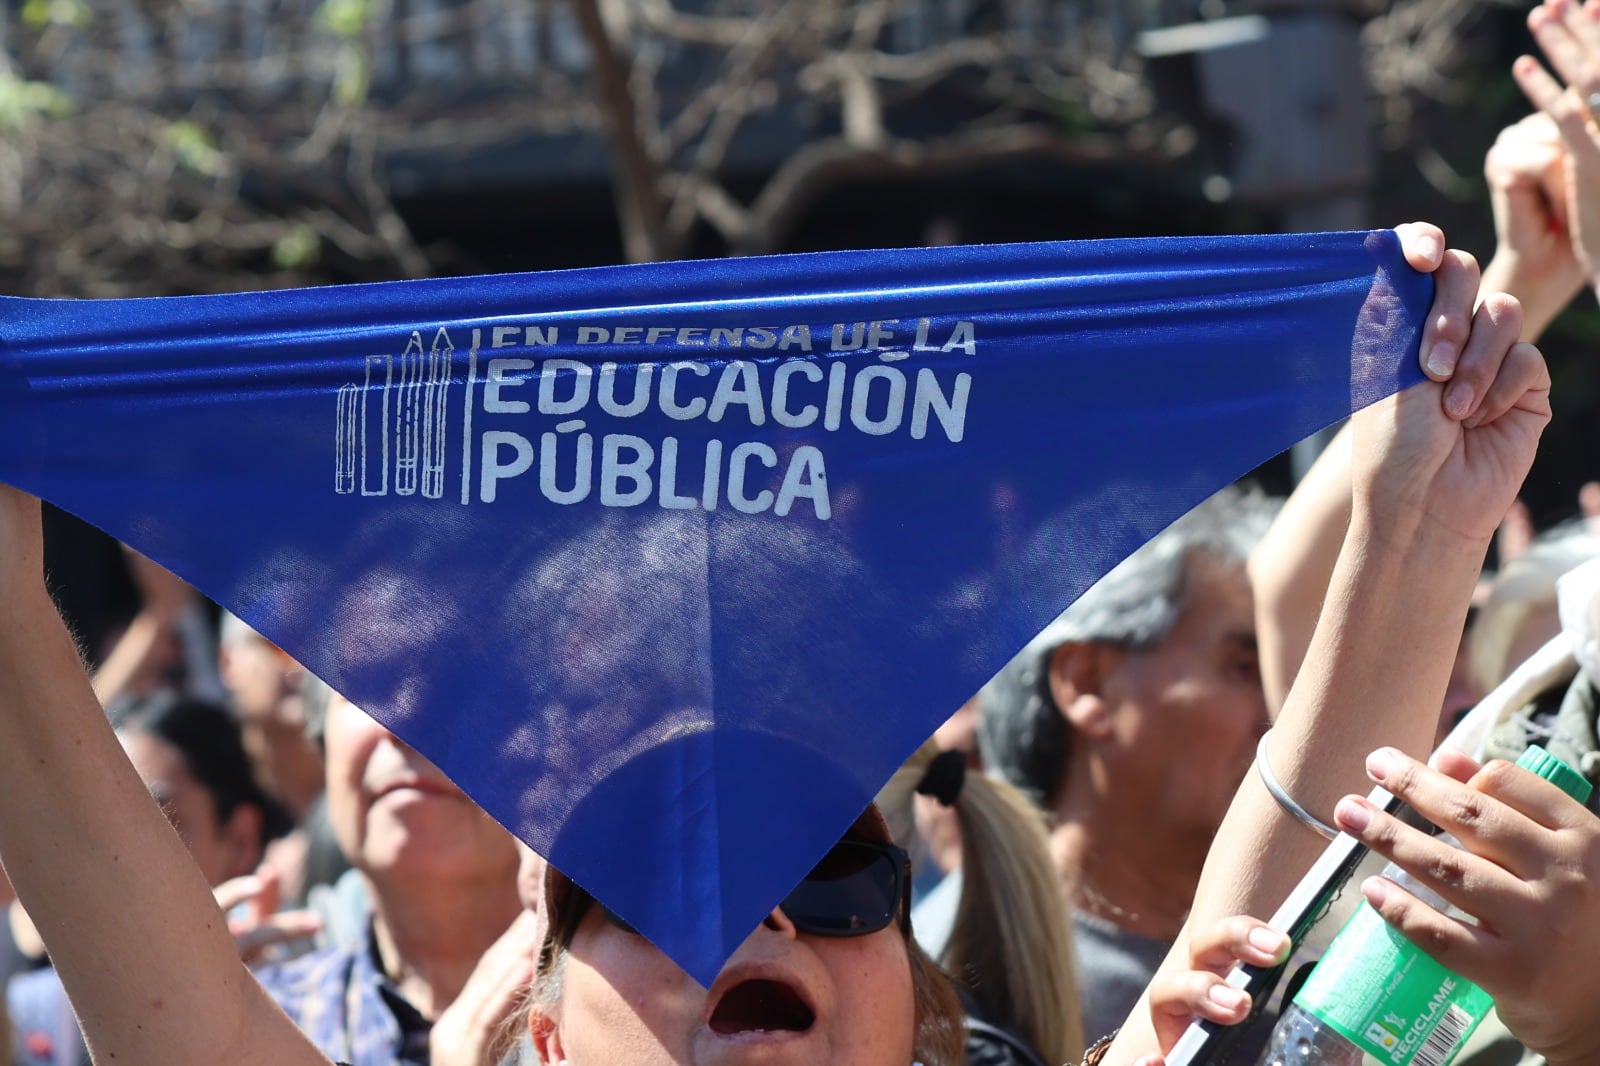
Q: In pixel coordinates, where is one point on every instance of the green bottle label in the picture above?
(1385, 996)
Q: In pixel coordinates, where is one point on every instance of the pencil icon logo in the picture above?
(346, 441)
(390, 429)
(408, 418)
(435, 395)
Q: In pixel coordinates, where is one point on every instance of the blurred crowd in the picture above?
(1069, 858)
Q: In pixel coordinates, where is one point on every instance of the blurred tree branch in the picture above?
(158, 146)
(864, 88)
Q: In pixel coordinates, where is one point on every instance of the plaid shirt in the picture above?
(341, 998)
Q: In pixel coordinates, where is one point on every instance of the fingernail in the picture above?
(1375, 890)
(1382, 763)
(1430, 248)
(1352, 814)
(1269, 941)
(1442, 359)
(1227, 997)
(1458, 400)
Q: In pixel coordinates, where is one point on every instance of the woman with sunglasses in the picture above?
(156, 979)
(832, 975)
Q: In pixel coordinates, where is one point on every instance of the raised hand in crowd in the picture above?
(152, 642)
(1433, 471)
(1568, 33)
(1529, 872)
(1532, 189)
(1291, 568)
(1178, 997)
(475, 1029)
(251, 903)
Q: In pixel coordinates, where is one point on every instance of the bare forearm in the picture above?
(1291, 567)
(1375, 675)
(1543, 298)
(128, 918)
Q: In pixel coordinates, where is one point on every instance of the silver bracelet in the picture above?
(1286, 801)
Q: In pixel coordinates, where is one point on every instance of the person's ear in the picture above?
(1078, 671)
(546, 1037)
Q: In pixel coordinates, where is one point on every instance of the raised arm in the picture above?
(1433, 471)
(1527, 172)
(1291, 567)
(130, 923)
(1538, 192)
(1544, 172)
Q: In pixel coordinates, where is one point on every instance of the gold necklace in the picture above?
(1095, 902)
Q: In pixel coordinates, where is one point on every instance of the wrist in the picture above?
(1543, 290)
(1404, 532)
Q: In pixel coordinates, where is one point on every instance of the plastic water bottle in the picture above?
(1375, 993)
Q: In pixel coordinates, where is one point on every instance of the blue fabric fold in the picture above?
(670, 566)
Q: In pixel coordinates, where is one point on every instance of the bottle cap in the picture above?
(1556, 772)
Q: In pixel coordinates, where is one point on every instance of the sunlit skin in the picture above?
(1186, 714)
(624, 1001)
(395, 814)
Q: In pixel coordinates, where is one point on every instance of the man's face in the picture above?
(396, 815)
(1185, 714)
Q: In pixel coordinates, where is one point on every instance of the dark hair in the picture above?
(208, 738)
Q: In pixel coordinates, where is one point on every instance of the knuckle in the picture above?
(1567, 108)
(1383, 833)
(1236, 932)
(1468, 808)
(1448, 869)
(1403, 780)
(1434, 940)
(1502, 308)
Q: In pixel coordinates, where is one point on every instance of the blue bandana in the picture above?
(670, 566)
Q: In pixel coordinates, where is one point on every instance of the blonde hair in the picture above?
(1011, 946)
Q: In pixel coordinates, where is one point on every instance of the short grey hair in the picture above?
(1021, 733)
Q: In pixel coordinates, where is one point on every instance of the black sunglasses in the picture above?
(859, 887)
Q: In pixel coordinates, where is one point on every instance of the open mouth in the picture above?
(761, 1006)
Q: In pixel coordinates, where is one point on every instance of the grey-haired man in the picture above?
(1132, 718)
